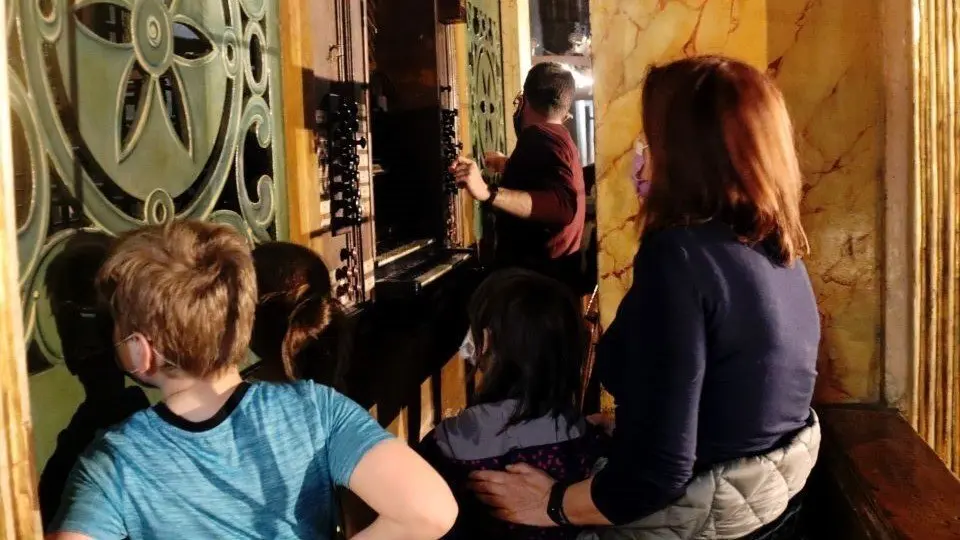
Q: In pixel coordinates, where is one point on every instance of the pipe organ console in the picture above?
(346, 216)
(387, 130)
(344, 162)
(450, 149)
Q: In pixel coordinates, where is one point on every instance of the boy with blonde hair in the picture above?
(220, 457)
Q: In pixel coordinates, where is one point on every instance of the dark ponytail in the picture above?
(312, 346)
(300, 329)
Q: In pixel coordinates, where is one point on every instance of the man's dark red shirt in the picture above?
(545, 164)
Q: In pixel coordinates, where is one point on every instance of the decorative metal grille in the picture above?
(485, 68)
(126, 113)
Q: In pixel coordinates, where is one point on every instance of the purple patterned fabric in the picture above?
(570, 460)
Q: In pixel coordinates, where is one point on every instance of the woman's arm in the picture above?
(655, 441)
(412, 500)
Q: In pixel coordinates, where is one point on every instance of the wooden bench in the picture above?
(877, 479)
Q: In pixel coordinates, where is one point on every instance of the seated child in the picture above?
(220, 457)
(530, 344)
(300, 329)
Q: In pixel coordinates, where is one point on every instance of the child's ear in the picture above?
(141, 354)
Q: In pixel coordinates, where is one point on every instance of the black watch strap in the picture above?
(494, 189)
(555, 504)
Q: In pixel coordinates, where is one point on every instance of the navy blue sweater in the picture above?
(712, 356)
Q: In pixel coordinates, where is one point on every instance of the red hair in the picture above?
(722, 148)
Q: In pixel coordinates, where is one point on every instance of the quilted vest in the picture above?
(732, 499)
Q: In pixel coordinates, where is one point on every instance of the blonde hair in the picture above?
(187, 286)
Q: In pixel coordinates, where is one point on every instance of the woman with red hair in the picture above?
(712, 355)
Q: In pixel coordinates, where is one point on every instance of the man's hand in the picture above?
(468, 177)
(495, 162)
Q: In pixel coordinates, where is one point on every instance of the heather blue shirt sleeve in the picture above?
(263, 467)
(92, 501)
(658, 336)
(352, 432)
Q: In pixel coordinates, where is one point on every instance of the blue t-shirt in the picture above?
(264, 467)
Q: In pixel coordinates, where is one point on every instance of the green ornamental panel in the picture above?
(485, 72)
(126, 113)
(485, 69)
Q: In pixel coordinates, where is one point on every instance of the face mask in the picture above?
(139, 381)
(639, 162)
(468, 351)
(131, 375)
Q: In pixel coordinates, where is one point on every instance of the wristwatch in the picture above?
(555, 504)
(493, 189)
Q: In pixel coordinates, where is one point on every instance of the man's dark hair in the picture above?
(549, 89)
(532, 344)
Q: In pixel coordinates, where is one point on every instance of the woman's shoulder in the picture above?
(685, 237)
(704, 244)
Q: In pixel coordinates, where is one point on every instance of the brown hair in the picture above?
(298, 321)
(549, 89)
(722, 148)
(189, 288)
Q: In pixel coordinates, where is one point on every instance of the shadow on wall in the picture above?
(85, 328)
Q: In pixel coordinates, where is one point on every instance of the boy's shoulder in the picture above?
(293, 390)
(259, 395)
(303, 398)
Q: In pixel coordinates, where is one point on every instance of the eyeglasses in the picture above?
(518, 101)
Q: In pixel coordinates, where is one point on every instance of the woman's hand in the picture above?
(519, 495)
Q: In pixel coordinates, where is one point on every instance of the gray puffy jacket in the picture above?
(731, 500)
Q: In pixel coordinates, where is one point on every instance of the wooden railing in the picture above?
(877, 479)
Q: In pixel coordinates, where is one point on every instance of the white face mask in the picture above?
(468, 351)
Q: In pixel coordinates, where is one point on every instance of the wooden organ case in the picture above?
(415, 139)
(383, 87)
(381, 101)
(336, 199)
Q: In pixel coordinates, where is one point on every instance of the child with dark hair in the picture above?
(529, 344)
(299, 326)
